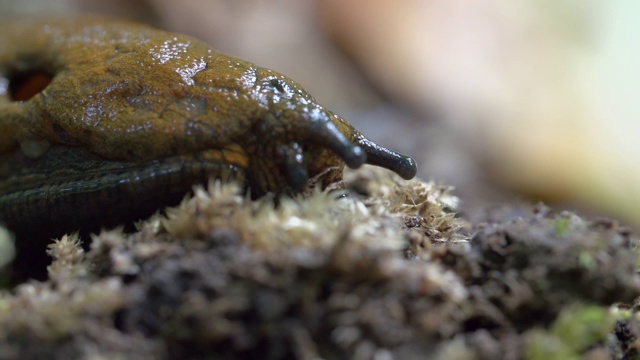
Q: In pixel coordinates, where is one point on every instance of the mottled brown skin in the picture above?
(125, 96)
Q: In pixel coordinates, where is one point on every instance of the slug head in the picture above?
(312, 142)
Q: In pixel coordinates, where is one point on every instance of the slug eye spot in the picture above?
(277, 84)
(24, 85)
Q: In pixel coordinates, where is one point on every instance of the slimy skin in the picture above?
(129, 117)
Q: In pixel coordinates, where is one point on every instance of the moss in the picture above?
(583, 327)
(562, 225)
(577, 329)
(68, 259)
(544, 346)
(387, 270)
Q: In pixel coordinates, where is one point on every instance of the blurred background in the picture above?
(531, 99)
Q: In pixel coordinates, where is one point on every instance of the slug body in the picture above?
(130, 117)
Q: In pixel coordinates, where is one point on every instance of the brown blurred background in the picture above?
(528, 99)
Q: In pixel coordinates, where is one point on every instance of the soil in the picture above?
(385, 269)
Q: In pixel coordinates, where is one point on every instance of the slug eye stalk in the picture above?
(377, 155)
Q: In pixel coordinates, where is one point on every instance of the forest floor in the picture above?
(389, 269)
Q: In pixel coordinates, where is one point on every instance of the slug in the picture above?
(104, 121)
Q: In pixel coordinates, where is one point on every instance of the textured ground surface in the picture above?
(387, 271)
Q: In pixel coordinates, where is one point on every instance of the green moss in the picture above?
(562, 225)
(577, 329)
(583, 326)
(542, 345)
(587, 261)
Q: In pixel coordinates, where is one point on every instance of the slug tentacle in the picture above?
(328, 135)
(125, 96)
(377, 155)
